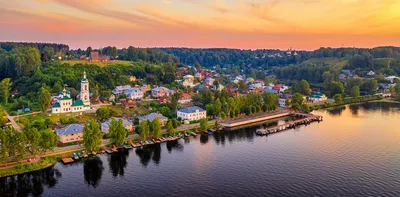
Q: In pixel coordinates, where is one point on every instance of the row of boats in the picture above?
(129, 144)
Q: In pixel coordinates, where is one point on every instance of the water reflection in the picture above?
(30, 184)
(93, 170)
(354, 109)
(148, 153)
(336, 111)
(175, 145)
(117, 162)
(203, 138)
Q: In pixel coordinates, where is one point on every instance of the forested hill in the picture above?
(266, 58)
(8, 46)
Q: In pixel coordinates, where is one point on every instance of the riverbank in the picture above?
(361, 99)
(44, 163)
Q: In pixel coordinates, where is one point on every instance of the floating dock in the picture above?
(307, 119)
(67, 160)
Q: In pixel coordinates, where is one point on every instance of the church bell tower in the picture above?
(84, 95)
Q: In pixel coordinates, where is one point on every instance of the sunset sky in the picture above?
(249, 24)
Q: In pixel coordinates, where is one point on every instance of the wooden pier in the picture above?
(305, 120)
(254, 119)
(67, 160)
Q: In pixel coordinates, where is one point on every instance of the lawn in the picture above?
(101, 64)
(336, 62)
(136, 110)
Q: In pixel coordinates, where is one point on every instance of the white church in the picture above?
(65, 103)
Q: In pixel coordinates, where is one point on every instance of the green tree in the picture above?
(92, 135)
(305, 88)
(144, 129)
(104, 113)
(117, 131)
(44, 99)
(335, 88)
(156, 127)
(297, 102)
(392, 90)
(170, 128)
(34, 138)
(355, 91)
(49, 140)
(5, 88)
(338, 98)
(5, 142)
(203, 124)
(397, 89)
(217, 106)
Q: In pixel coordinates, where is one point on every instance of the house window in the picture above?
(85, 87)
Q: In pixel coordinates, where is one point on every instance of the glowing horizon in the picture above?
(246, 24)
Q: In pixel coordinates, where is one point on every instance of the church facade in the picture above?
(66, 104)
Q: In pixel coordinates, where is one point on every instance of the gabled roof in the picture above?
(191, 109)
(124, 122)
(151, 117)
(70, 129)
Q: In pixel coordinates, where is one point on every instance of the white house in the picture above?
(371, 73)
(282, 99)
(209, 81)
(134, 93)
(191, 113)
(317, 97)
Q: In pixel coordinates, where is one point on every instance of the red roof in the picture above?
(185, 96)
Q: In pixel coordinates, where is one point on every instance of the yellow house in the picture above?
(70, 133)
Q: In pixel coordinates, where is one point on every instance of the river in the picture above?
(355, 151)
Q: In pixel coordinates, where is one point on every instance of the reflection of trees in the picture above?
(337, 111)
(117, 162)
(175, 145)
(30, 184)
(149, 152)
(93, 170)
(203, 138)
(380, 106)
(354, 109)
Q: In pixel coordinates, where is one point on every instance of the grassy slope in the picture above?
(337, 63)
(101, 64)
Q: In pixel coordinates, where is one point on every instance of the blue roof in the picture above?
(191, 109)
(124, 122)
(272, 91)
(70, 129)
(151, 117)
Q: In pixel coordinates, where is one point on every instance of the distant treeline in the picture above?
(8, 46)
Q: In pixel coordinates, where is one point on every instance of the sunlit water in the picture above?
(355, 151)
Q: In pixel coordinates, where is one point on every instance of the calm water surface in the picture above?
(355, 151)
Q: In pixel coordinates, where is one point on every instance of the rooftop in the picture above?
(70, 129)
(151, 117)
(191, 109)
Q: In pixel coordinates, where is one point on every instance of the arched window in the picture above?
(86, 98)
(85, 87)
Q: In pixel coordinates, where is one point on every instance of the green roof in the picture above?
(56, 105)
(84, 79)
(65, 98)
(77, 103)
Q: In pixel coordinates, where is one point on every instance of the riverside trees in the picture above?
(117, 132)
(14, 143)
(92, 135)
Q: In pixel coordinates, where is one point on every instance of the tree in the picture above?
(170, 128)
(88, 51)
(5, 88)
(197, 66)
(104, 113)
(392, 90)
(44, 99)
(34, 138)
(335, 88)
(203, 125)
(338, 98)
(92, 135)
(217, 106)
(49, 140)
(5, 142)
(144, 129)
(156, 127)
(174, 102)
(355, 91)
(397, 89)
(305, 88)
(117, 131)
(297, 102)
